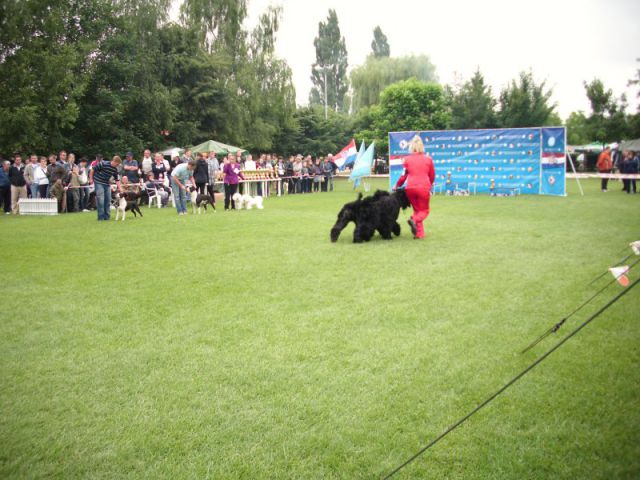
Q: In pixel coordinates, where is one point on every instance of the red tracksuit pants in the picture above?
(419, 199)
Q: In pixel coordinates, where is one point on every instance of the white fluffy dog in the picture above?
(247, 201)
(238, 201)
(251, 202)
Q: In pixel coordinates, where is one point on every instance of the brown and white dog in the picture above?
(200, 200)
(124, 205)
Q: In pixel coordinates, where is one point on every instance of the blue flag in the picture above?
(363, 164)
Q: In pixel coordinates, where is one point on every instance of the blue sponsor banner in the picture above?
(485, 161)
(553, 161)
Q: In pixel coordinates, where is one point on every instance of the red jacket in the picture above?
(418, 172)
(604, 162)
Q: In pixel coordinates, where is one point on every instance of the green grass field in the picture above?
(246, 345)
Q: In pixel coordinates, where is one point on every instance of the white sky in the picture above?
(564, 42)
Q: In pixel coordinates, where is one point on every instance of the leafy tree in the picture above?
(218, 21)
(195, 86)
(524, 103)
(472, 104)
(601, 100)
(406, 105)
(371, 78)
(273, 96)
(608, 121)
(634, 126)
(247, 96)
(380, 45)
(112, 75)
(577, 129)
(225, 106)
(126, 106)
(316, 135)
(329, 72)
(47, 49)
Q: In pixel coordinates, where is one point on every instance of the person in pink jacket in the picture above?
(419, 175)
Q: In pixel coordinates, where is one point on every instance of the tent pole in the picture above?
(575, 173)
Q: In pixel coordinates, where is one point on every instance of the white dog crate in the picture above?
(40, 206)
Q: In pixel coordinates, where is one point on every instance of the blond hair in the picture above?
(117, 160)
(416, 145)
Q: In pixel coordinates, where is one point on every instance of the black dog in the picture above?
(199, 200)
(378, 212)
(345, 215)
(133, 196)
(125, 205)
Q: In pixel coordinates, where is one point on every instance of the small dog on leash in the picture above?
(125, 205)
(200, 200)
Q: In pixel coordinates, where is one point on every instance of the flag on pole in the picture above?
(620, 274)
(362, 165)
(635, 246)
(346, 156)
(355, 162)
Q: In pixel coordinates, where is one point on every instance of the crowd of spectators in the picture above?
(70, 181)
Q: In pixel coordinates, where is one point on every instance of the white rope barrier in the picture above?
(614, 176)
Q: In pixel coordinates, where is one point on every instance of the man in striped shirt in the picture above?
(100, 175)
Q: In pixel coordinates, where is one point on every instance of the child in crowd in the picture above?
(57, 191)
(74, 191)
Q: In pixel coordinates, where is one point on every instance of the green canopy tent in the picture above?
(218, 147)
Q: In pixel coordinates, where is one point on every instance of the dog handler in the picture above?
(100, 175)
(179, 177)
(419, 174)
(232, 176)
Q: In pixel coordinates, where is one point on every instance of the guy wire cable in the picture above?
(512, 381)
(607, 271)
(619, 263)
(557, 326)
(621, 251)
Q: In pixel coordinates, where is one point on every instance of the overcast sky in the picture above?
(562, 42)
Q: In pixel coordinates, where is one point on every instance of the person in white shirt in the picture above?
(249, 163)
(40, 179)
(83, 177)
(146, 163)
(214, 169)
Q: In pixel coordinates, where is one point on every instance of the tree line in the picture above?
(115, 75)
(108, 76)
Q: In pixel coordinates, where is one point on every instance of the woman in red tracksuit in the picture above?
(419, 174)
